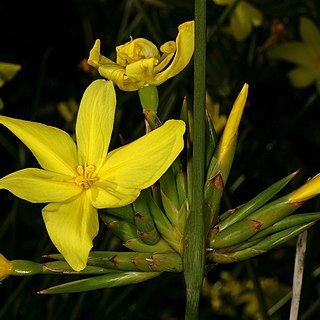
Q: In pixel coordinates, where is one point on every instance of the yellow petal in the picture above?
(309, 32)
(239, 23)
(108, 194)
(135, 50)
(141, 163)
(184, 52)
(141, 71)
(307, 191)
(8, 71)
(95, 123)
(36, 185)
(295, 52)
(168, 49)
(5, 267)
(53, 148)
(72, 226)
(245, 16)
(110, 70)
(303, 76)
(253, 14)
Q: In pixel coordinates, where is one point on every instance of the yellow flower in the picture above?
(77, 179)
(305, 53)
(5, 267)
(243, 18)
(139, 63)
(7, 72)
(213, 110)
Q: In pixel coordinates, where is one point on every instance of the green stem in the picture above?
(258, 290)
(194, 255)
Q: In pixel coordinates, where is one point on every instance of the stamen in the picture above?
(85, 178)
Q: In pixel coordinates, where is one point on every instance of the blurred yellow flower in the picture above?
(229, 295)
(68, 109)
(305, 53)
(79, 178)
(213, 109)
(243, 18)
(5, 267)
(139, 62)
(7, 72)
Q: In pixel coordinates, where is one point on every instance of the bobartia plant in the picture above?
(145, 191)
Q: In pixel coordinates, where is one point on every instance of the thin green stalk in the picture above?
(258, 290)
(194, 255)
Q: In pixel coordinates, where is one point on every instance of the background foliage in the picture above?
(279, 133)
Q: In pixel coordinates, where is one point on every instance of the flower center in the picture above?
(85, 178)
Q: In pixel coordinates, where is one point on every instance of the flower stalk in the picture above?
(194, 243)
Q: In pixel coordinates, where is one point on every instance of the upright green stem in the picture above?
(194, 254)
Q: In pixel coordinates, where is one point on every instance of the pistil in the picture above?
(85, 176)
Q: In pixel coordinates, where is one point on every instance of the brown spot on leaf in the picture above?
(256, 225)
(141, 234)
(133, 261)
(259, 251)
(113, 259)
(138, 216)
(297, 203)
(217, 181)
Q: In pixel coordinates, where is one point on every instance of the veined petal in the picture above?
(136, 50)
(184, 52)
(107, 194)
(38, 186)
(95, 122)
(72, 226)
(295, 52)
(141, 71)
(53, 148)
(303, 76)
(141, 163)
(309, 32)
(168, 49)
(106, 67)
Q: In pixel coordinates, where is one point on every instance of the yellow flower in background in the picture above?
(139, 62)
(79, 178)
(243, 18)
(68, 109)
(5, 267)
(213, 110)
(229, 293)
(7, 72)
(305, 53)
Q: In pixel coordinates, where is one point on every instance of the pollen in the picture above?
(85, 177)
